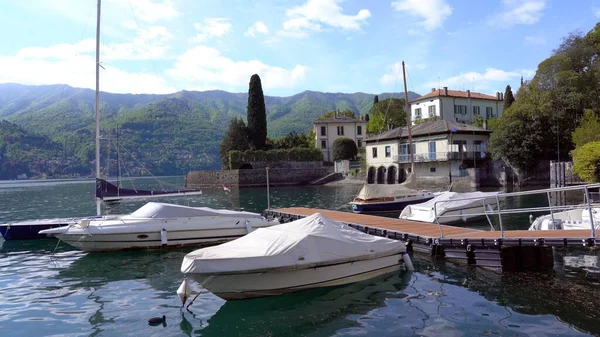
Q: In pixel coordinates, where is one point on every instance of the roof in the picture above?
(430, 128)
(455, 93)
(339, 119)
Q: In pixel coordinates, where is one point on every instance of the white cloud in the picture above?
(210, 28)
(491, 78)
(433, 12)
(257, 27)
(534, 40)
(394, 74)
(206, 66)
(148, 10)
(519, 12)
(596, 11)
(315, 14)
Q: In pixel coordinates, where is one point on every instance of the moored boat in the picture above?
(312, 252)
(451, 207)
(157, 225)
(29, 229)
(576, 218)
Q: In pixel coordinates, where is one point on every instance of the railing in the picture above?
(439, 156)
(487, 211)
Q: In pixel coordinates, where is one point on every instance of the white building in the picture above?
(328, 130)
(458, 106)
(440, 149)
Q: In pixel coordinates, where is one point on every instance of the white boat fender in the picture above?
(248, 226)
(163, 237)
(184, 291)
(407, 261)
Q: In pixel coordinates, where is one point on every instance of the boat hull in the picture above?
(252, 285)
(28, 229)
(388, 206)
(449, 217)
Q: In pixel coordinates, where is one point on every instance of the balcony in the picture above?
(439, 156)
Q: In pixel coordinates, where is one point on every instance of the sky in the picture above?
(164, 46)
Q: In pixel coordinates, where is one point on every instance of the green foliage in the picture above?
(586, 162)
(257, 114)
(375, 99)
(588, 129)
(478, 121)
(344, 149)
(312, 138)
(387, 114)
(333, 113)
(427, 120)
(367, 117)
(236, 138)
(292, 140)
(237, 158)
(509, 99)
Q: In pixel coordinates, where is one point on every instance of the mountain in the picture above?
(157, 134)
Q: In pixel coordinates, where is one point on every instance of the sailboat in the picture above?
(105, 191)
(382, 198)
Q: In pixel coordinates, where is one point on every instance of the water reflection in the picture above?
(319, 312)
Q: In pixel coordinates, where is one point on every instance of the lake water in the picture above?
(50, 289)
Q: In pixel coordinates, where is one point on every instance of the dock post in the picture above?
(268, 197)
(589, 206)
(500, 216)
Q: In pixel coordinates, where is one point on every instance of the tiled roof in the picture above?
(430, 128)
(339, 119)
(455, 93)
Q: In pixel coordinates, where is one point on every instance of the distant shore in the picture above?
(347, 181)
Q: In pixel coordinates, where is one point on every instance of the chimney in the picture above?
(469, 93)
(502, 96)
(497, 95)
(446, 91)
(432, 89)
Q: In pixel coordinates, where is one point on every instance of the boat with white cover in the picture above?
(156, 225)
(451, 207)
(308, 253)
(577, 218)
(381, 198)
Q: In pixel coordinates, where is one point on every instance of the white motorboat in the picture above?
(156, 225)
(312, 252)
(577, 218)
(451, 207)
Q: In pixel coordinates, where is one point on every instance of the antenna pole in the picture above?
(98, 201)
(408, 116)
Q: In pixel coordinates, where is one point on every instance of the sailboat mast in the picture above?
(98, 201)
(409, 118)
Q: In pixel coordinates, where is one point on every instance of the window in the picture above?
(359, 143)
(489, 112)
(418, 113)
(431, 110)
(432, 153)
(359, 129)
(374, 152)
(476, 111)
(323, 132)
(432, 169)
(388, 151)
(323, 144)
(340, 130)
(460, 109)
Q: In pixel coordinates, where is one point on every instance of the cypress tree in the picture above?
(375, 99)
(509, 99)
(257, 114)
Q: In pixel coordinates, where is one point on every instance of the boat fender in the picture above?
(184, 291)
(407, 261)
(163, 237)
(248, 226)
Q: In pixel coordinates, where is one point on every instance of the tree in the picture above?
(586, 162)
(236, 138)
(367, 117)
(478, 121)
(339, 113)
(292, 140)
(344, 149)
(257, 114)
(387, 114)
(588, 129)
(509, 99)
(375, 99)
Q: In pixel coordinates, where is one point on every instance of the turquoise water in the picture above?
(49, 289)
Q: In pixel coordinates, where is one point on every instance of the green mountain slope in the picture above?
(157, 134)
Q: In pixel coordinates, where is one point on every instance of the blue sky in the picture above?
(163, 46)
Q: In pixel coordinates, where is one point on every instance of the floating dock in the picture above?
(509, 250)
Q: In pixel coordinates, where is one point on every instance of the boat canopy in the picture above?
(455, 200)
(375, 191)
(304, 243)
(157, 210)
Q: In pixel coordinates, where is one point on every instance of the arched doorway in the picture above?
(246, 167)
(381, 175)
(401, 175)
(391, 174)
(371, 175)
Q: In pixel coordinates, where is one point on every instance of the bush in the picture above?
(236, 158)
(586, 162)
(344, 149)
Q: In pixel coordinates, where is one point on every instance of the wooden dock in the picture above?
(513, 250)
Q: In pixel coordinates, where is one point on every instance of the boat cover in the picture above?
(158, 210)
(299, 244)
(445, 202)
(374, 191)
